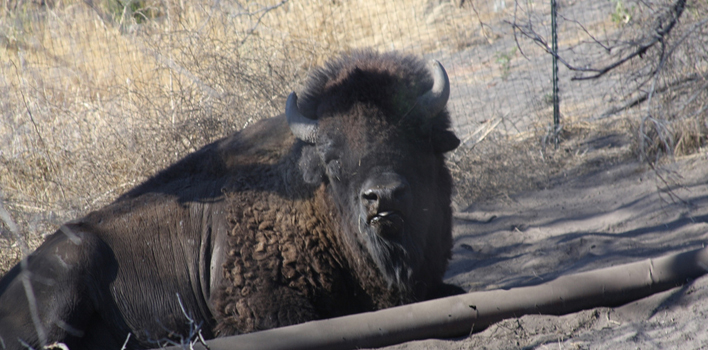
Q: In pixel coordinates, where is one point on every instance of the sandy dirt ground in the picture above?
(605, 212)
(615, 213)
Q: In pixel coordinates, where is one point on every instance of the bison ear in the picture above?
(311, 165)
(444, 140)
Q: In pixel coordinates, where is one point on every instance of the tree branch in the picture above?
(642, 98)
(659, 34)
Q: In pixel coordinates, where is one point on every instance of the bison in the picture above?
(340, 206)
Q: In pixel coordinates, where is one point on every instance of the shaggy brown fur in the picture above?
(283, 246)
(298, 249)
(260, 229)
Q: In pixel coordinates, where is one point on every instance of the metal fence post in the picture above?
(554, 48)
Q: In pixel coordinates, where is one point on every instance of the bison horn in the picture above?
(302, 127)
(435, 99)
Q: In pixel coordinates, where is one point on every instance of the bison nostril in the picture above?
(370, 195)
(383, 195)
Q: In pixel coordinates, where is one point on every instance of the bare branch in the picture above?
(642, 98)
(25, 277)
(607, 48)
(658, 35)
(479, 20)
(679, 42)
(51, 162)
(10, 223)
(264, 11)
(513, 27)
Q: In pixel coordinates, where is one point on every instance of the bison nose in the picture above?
(385, 195)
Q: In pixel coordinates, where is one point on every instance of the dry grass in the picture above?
(672, 81)
(95, 98)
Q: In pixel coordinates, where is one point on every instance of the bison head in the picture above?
(375, 128)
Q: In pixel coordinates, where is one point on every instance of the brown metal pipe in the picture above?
(463, 314)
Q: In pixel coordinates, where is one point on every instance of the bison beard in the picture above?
(339, 206)
(392, 257)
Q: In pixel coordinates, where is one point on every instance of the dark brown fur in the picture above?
(257, 230)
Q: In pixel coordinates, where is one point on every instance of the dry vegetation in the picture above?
(653, 52)
(95, 96)
(668, 84)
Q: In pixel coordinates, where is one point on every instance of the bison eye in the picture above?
(334, 169)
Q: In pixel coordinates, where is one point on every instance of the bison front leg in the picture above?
(52, 296)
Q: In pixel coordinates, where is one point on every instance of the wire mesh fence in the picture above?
(97, 95)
